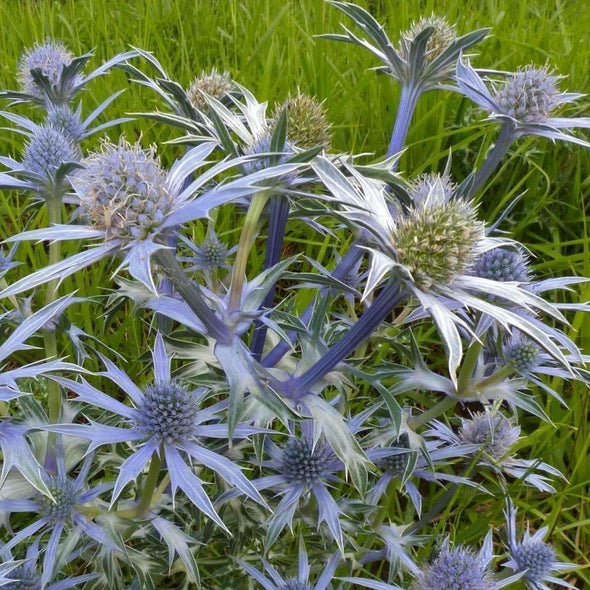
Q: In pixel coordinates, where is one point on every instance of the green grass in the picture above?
(269, 46)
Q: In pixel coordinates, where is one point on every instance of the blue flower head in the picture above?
(66, 122)
(502, 264)
(529, 95)
(534, 559)
(47, 150)
(459, 568)
(261, 146)
(123, 190)
(50, 57)
(421, 186)
(494, 431)
(523, 354)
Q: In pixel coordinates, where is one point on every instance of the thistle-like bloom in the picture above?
(431, 248)
(494, 435)
(525, 103)
(166, 420)
(307, 122)
(61, 509)
(534, 559)
(131, 203)
(303, 468)
(50, 58)
(46, 151)
(50, 75)
(212, 83)
(502, 264)
(210, 255)
(494, 432)
(275, 581)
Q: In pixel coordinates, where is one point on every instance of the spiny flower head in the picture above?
(458, 568)
(168, 412)
(437, 239)
(441, 38)
(496, 432)
(421, 186)
(47, 150)
(66, 122)
(50, 57)
(501, 264)
(65, 494)
(212, 83)
(523, 354)
(529, 95)
(536, 557)
(123, 190)
(307, 122)
(210, 254)
(303, 464)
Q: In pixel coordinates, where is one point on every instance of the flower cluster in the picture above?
(227, 410)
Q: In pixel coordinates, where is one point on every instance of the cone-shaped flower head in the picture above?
(168, 412)
(66, 122)
(496, 432)
(50, 57)
(47, 150)
(211, 254)
(437, 240)
(65, 494)
(523, 354)
(501, 264)
(458, 568)
(442, 37)
(307, 122)
(421, 186)
(529, 95)
(262, 145)
(212, 83)
(536, 557)
(123, 190)
(301, 463)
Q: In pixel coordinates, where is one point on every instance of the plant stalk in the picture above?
(150, 484)
(191, 295)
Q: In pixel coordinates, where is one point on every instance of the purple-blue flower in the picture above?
(166, 422)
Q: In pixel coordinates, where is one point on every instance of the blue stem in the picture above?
(505, 139)
(405, 111)
(278, 214)
(383, 305)
(343, 268)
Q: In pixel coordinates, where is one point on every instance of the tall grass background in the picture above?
(269, 46)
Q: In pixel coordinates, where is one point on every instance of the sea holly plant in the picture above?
(251, 437)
